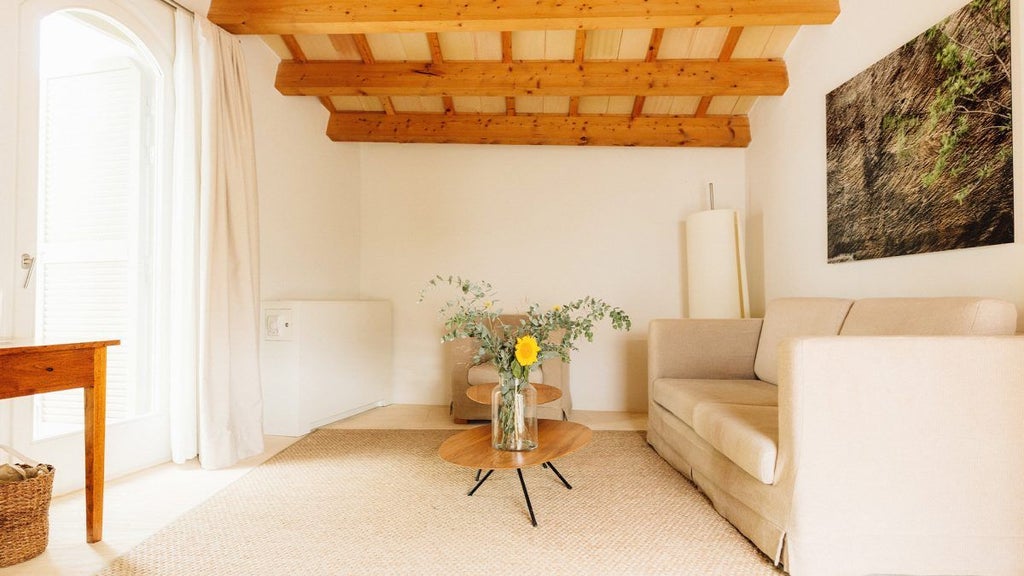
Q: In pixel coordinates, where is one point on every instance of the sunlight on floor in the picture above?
(138, 505)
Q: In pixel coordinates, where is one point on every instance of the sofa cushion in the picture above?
(930, 317)
(746, 435)
(487, 373)
(790, 317)
(681, 397)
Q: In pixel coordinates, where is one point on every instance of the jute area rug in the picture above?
(368, 502)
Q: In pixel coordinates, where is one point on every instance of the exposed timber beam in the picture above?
(506, 57)
(299, 56)
(715, 131)
(579, 52)
(731, 40)
(368, 16)
(652, 54)
(655, 78)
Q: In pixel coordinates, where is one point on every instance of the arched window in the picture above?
(92, 223)
(98, 120)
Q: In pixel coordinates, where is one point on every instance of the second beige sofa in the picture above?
(882, 436)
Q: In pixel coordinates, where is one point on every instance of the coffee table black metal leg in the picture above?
(482, 480)
(555, 470)
(533, 519)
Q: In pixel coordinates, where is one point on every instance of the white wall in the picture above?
(786, 173)
(308, 189)
(549, 224)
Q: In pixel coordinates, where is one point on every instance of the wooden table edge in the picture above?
(95, 393)
(490, 458)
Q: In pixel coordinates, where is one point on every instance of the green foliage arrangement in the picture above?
(543, 334)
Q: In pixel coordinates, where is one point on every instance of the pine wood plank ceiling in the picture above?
(558, 72)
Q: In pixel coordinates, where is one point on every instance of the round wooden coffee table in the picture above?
(481, 393)
(555, 438)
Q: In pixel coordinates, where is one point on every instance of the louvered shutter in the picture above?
(89, 269)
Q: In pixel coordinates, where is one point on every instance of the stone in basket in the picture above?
(25, 491)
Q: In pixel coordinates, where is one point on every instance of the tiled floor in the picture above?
(138, 505)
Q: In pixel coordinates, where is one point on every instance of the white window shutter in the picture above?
(89, 227)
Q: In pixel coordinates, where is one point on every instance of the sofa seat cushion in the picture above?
(487, 373)
(746, 435)
(682, 396)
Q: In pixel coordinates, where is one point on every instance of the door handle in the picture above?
(28, 262)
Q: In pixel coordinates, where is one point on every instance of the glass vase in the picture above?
(513, 414)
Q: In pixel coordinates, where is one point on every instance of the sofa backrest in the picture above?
(930, 317)
(791, 317)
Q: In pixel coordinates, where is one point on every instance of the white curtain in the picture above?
(217, 408)
(183, 320)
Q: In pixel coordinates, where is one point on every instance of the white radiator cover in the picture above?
(322, 361)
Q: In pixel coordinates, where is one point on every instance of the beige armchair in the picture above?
(459, 364)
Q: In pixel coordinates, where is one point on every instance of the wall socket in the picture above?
(277, 324)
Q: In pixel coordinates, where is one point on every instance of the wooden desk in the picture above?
(28, 367)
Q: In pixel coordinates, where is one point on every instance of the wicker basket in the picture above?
(25, 517)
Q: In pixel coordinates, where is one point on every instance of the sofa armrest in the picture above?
(905, 454)
(698, 348)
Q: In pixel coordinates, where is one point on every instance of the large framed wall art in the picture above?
(920, 146)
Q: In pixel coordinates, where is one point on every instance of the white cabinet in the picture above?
(322, 361)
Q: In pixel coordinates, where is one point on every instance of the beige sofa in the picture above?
(877, 436)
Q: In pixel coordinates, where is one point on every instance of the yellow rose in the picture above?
(526, 350)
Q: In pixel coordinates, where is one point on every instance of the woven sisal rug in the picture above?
(370, 502)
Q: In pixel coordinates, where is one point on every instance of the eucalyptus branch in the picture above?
(473, 314)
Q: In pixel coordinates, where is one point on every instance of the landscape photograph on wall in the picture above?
(920, 145)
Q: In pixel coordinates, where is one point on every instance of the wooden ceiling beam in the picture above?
(363, 47)
(334, 17)
(655, 78)
(366, 53)
(720, 131)
(506, 57)
(731, 40)
(298, 55)
(436, 57)
(294, 48)
(579, 48)
(579, 52)
(653, 46)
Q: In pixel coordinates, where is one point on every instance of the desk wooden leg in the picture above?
(95, 432)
